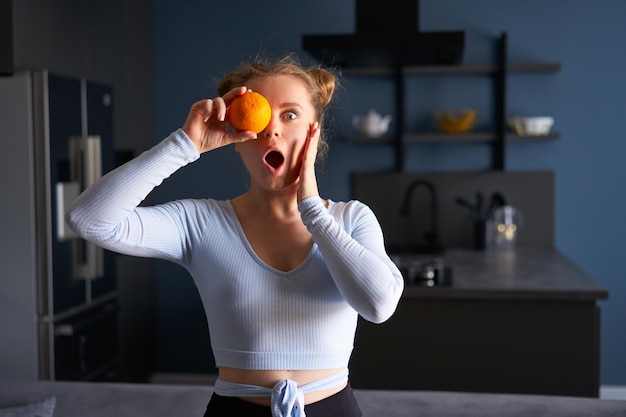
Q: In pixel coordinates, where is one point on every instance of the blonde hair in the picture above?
(320, 82)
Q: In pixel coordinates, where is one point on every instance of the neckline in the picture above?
(253, 254)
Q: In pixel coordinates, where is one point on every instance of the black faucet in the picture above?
(431, 237)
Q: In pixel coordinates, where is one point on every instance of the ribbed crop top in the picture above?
(258, 317)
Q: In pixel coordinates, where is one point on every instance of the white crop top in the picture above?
(258, 317)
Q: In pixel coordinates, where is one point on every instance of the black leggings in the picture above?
(341, 404)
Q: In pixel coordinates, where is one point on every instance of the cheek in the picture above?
(297, 150)
(246, 152)
(244, 148)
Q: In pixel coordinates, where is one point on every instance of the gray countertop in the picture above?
(536, 273)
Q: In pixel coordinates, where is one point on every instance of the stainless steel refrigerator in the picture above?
(58, 300)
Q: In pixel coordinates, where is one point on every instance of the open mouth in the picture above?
(274, 159)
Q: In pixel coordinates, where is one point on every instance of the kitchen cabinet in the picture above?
(499, 72)
(524, 321)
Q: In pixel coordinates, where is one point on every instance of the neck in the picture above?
(275, 203)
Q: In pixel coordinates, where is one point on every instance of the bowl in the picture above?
(531, 126)
(455, 121)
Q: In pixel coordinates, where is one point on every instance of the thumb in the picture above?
(241, 136)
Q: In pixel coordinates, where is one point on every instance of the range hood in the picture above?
(387, 34)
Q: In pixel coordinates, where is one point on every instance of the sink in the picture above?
(422, 269)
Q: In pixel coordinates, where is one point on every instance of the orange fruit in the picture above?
(250, 111)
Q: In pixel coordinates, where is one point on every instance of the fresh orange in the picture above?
(250, 111)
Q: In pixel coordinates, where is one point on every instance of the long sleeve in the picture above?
(107, 213)
(363, 272)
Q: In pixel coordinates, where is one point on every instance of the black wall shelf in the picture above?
(446, 138)
(454, 69)
(497, 138)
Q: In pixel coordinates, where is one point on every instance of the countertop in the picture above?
(536, 273)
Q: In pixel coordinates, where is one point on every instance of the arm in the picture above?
(358, 262)
(108, 215)
(365, 275)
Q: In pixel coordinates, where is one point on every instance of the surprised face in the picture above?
(274, 158)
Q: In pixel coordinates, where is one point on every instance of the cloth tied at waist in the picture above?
(287, 398)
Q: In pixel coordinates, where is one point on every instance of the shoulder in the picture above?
(350, 206)
(351, 210)
(206, 208)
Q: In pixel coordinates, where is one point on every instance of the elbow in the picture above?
(382, 310)
(82, 224)
(71, 220)
(379, 316)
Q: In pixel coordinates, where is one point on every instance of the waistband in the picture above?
(287, 398)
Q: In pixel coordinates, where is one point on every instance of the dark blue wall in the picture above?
(196, 42)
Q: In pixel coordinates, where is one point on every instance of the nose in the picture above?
(268, 133)
(271, 130)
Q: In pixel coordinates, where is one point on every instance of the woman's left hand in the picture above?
(307, 184)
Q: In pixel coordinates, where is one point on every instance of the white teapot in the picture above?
(372, 124)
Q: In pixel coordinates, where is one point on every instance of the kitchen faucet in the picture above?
(431, 237)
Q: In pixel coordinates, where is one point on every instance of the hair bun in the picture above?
(327, 82)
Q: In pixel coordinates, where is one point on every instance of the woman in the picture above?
(283, 274)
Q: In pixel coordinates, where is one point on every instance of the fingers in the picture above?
(307, 182)
(218, 105)
(203, 109)
(237, 91)
(312, 142)
(219, 109)
(242, 136)
(314, 131)
(206, 122)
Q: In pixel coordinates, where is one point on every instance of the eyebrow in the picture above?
(282, 106)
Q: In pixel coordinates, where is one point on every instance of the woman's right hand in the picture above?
(206, 123)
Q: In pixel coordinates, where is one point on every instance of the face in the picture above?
(273, 160)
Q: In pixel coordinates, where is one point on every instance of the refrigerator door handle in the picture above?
(85, 169)
(66, 193)
(85, 160)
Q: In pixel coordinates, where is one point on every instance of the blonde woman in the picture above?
(283, 274)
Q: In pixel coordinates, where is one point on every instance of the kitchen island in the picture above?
(525, 321)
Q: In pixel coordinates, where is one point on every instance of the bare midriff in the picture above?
(269, 378)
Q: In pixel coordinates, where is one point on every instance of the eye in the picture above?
(290, 115)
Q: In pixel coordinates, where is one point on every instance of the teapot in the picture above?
(372, 124)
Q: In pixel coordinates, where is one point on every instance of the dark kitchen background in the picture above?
(161, 56)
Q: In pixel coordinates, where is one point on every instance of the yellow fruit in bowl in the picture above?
(460, 121)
